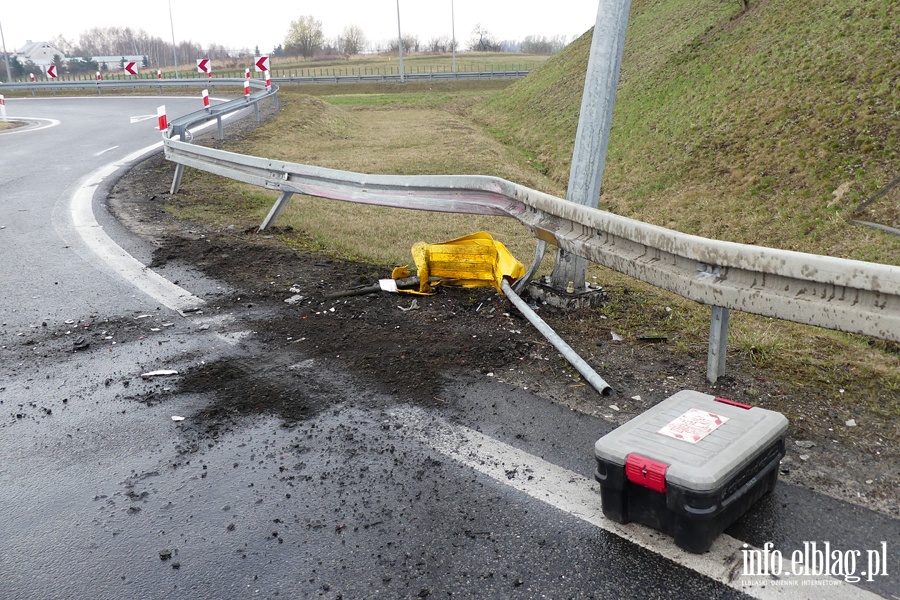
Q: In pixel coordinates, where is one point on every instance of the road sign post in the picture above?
(161, 119)
(2, 108)
(204, 66)
(205, 95)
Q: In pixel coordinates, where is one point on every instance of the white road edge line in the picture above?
(129, 268)
(47, 123)
(105, 151)
(580, 497)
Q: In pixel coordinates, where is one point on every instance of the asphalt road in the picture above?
(103, 495)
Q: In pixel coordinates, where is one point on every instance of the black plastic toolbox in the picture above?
(690, 466)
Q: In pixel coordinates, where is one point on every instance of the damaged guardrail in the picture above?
(835, 293)
(180, 126)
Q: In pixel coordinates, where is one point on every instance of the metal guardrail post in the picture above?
(276, 210)
(176, 181)
(718, 340)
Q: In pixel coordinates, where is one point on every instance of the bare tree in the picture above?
(438, 44)
(352, 40)
(217, 52)
(411, 44)
(304, 37)
(64, 45)
(539, 44)
(483, 40)
(331, 46)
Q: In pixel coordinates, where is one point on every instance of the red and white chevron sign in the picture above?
(262, 63)
(131, 68)
(51, 71)
(203, 66)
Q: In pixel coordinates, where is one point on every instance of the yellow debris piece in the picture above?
(475, 260)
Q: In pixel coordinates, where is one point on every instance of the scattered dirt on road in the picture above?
(405, 351)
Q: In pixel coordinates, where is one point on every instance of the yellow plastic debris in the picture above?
(475, 260)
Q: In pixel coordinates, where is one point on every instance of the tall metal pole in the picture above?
(400, 41)
(592, 136)
(174, 47)
(5, 55)
(453, 32)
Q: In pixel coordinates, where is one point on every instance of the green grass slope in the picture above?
(767, 126)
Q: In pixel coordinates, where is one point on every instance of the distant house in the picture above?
(40, 53)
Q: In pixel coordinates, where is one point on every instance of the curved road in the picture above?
(103, 495)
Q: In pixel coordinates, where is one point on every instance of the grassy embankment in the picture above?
(728, 124)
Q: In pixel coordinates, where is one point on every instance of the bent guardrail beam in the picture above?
(180, 126)
(835, 293)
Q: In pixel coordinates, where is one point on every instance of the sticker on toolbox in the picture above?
(693, 426)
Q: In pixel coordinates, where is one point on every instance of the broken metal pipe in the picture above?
(570, 355)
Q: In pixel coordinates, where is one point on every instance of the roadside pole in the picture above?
(592, 137)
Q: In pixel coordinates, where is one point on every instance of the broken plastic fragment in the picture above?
(177, 418)
(413, 306)
(388, 285)
(616, 337)
(158, 373)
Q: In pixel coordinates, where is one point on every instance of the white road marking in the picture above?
(45, 124)
(128, 267)
(141, 118)
(105, 151)
(132, 270)
(580, 497)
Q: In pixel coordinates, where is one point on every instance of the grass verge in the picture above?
(398, 131)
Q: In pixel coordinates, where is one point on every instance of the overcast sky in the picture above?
(264, 24)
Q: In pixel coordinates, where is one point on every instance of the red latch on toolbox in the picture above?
(646, 472)
(734, 403)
